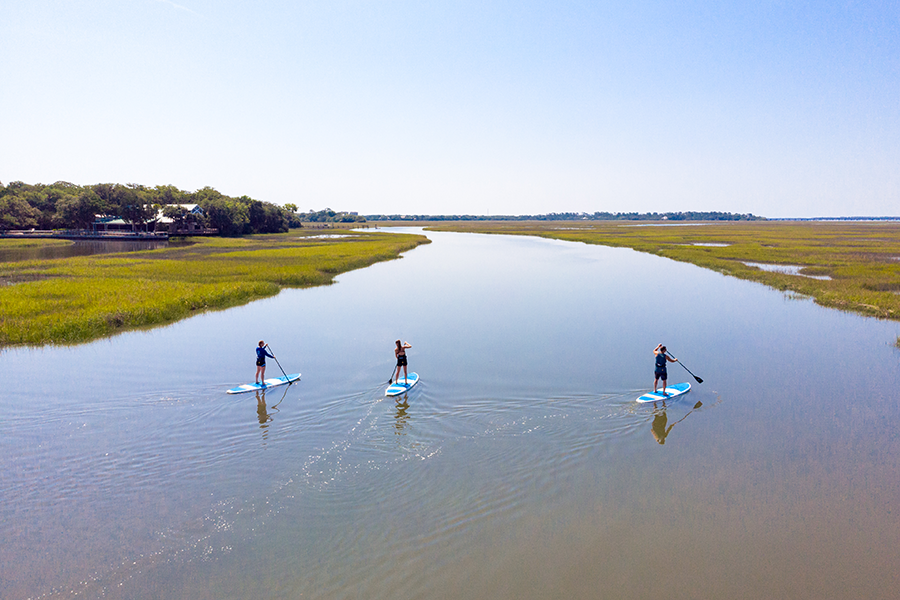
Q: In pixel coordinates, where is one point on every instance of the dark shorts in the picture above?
(660, 373)
(401, 361)
(260, 362)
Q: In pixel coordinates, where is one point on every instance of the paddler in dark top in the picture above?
(400, 353)
(261, 354)
(660, 372)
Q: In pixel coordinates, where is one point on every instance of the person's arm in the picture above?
(407, 345)
(671, 358)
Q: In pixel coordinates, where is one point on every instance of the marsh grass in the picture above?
(860, 258)
(11, 243)
(64, 301)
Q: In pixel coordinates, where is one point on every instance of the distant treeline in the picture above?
(579, 216)
(64, 205)
(836, 219)
(326, 216)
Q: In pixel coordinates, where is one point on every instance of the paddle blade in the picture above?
(698, 405)
(698, 379)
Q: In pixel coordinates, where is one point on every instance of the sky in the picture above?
(780, 108)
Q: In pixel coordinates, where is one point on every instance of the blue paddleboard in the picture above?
(672, 391)
(395, 389)
(269, 383)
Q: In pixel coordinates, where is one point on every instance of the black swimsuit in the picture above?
(401, 360)
(660, 366)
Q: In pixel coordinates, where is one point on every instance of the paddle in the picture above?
(286, 378)
(686, 369)
(283, 396)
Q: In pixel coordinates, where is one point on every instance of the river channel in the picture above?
(519, 467)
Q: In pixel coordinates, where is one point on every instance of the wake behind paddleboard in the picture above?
(672, 391)
(269, 383)
(399, 387)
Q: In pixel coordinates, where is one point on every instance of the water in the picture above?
(81, 248)
(786, 269)
(520, 466)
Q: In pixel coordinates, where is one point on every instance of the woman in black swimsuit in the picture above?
(400, 353)
(660, 372)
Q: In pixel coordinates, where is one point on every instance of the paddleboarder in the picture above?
(261, 354)
(660, 372)
(400, 353)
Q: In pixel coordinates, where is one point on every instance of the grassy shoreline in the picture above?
(852, 266)
(74, 300)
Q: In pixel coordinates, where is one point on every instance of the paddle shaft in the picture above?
(279, 366)
(686, 369)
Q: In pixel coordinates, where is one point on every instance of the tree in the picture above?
(79, 211)
(133, 205)
(228, 216)
(168, 194)
(16, 213)
(176, 213)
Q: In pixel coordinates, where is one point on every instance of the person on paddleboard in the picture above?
(261, 354)
(660, 372)
(400, 353)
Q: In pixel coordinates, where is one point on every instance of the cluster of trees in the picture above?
(579, 216)
(64, 205)
(326, 216)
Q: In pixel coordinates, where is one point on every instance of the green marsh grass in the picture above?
(861, 259)
(66, 301)
(12, 243)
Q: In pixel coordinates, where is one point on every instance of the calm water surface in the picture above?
(82, 248)
(520, 466)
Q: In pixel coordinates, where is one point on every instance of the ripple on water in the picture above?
(332, 458)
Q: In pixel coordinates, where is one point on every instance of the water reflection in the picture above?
(261, 410)
(401, 418)
(659, 428)
(264, 413)
(82, 248)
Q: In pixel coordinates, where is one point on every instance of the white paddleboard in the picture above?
(395, 389)
(672, 391)
(268, 383)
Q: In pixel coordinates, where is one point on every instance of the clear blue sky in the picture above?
(779, 108)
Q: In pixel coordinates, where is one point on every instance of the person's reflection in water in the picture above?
(659, 429)
(401, 418)
(261, 411)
